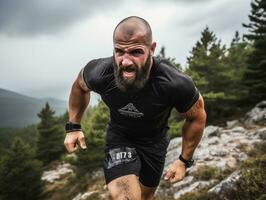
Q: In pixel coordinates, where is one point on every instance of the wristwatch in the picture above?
(188, 163)
(71, 127)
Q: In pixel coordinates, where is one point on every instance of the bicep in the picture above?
(81, 82)
(196, 111)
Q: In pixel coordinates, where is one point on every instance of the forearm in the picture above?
(78, 102)
(192, 134)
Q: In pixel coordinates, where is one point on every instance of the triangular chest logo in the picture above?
(130, 111)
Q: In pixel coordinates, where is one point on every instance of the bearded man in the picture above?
(140, 91)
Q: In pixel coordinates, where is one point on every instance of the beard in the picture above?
(135, 84)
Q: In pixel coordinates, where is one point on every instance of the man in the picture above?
(140, 91)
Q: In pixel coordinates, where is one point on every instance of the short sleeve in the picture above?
(98, 73)
(88, 72)
(185, 94)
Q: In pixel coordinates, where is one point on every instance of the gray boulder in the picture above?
(210, 131)
(225, 185)
(262, 133)
(257, 114)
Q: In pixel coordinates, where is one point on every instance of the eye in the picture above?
(137, 52)
(119, 51)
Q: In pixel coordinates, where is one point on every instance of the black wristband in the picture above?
(71, 127)
(188, 163)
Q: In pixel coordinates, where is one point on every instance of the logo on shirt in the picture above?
(130, 111)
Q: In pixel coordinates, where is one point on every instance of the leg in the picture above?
(147, 193)
(152, 163)
(125, 188)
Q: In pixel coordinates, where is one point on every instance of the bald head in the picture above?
(132, 27)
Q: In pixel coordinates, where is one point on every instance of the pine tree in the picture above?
(236, 58)
(208, 69)
(95, 131)
(206, 65)
(255, 76)
(51, 136)
(20, 173)
(172, 60)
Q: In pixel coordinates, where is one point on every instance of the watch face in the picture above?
(190, 163)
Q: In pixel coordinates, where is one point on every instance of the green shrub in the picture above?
(206, 173)
(252, 184)
(175, 129)
(258, 150)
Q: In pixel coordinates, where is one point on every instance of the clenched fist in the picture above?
(74, 140)
(176, 172)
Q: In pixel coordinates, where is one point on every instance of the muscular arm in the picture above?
(79, 99)
(78, 102)
(195, 119)
(192, 133)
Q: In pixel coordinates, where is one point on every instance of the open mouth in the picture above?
(129, 72)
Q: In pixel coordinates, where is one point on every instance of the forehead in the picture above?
(135, 40)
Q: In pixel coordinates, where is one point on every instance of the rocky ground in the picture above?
(221, 148)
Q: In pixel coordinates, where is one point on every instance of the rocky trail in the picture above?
(221, 149)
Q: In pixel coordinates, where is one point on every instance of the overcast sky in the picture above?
(45, 43)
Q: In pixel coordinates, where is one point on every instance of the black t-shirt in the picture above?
(142, 115)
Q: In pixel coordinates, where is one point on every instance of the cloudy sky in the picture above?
(45, 43)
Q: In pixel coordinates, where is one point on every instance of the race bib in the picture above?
(119, 156)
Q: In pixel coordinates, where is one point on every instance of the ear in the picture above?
(152, 49)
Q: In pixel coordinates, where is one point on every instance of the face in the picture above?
(133, 60)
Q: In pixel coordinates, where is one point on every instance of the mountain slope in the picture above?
(19, 110)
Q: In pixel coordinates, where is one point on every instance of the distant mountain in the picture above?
(18, 110)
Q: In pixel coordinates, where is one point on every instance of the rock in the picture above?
(218, 163)
(231, 124)
(185, 182)
(262, 133)
(172, 156)
(84, 196)
(220, 152)
(174, 143)
(242, 156)
(238, 129)
(52, 175)
(257, 114)
(202, 154)
(195, 186)
(210, 131)
(213, 140)
(261, 104)
(228, 183)
(231, 162)
(220, 148)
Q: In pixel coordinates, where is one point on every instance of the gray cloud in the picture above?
(220, 17)
(33, 17)
(46, 66)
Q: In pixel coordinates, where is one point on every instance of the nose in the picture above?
(126, 61)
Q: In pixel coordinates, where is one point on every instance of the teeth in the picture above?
(129, 69)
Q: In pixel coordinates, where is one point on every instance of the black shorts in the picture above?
(145, 160)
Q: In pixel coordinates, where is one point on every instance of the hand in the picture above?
(73, 140)
(176, 172)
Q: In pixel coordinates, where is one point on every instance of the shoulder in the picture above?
(175, 85)
(97, 66)
(96, 71)
(169, 75)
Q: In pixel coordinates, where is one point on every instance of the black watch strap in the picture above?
(71, 127)
(188, 163)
